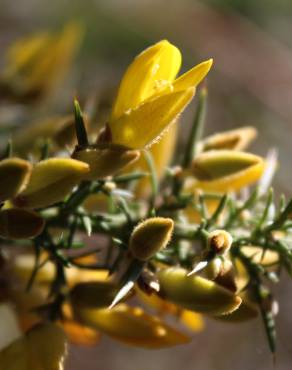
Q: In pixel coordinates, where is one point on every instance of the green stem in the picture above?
(80, 126)
(197, 129)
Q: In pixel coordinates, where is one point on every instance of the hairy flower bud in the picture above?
(14, 175)
(105, 159)
(150, 236)
(226, 170)
(219, 241)
(51, 180)
(196, 293)
(18, 223)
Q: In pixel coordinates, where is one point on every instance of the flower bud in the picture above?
(219, 241)
(131, 325)
(150, 236)
(196, 293)
(93, 294)
(237, 139)
(51, 180)
(18, 223)
(105, 159)
(14, 175)
(226, 170)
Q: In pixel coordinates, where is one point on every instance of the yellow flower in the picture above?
(36, 63)
(150, 98)
(225, 170)
(196, 293)
(131, 325)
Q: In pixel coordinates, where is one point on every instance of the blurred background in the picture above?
(250, 84)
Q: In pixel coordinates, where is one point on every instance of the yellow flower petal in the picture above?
(142, 126)
(131, 325)
(24, 265)
(216, 164)
(226, 170)
(196, 293)
(23, 51)
(35, 63)
(192, 320)
(41, 348)
(51, 180)
(154, 301)
(79, 334)
(160, 62)
(53, 62)
(234, 182)
(260, 255)
(193, 77)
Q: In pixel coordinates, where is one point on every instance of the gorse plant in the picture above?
(114, 228)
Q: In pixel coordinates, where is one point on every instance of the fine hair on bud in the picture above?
(150, 236)
(219, 241)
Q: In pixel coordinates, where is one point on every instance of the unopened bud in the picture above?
(14, 175)
(51, 180)
(196, 293)
(226, 170)
(105, 159)
(150, 236)
(219, 241)
(18, 223)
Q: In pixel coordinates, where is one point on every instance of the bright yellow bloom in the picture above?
(36, 63)
(150, 98)
(131, 325)
(225, 170)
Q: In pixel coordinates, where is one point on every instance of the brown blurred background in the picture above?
(250, 84)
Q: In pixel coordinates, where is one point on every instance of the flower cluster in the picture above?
(116, 238)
